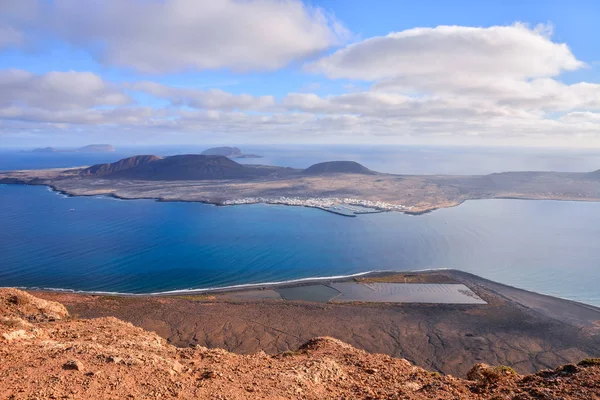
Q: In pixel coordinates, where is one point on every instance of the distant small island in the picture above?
(92, 148)
(230, 152)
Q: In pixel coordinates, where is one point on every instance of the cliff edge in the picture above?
(45, 353)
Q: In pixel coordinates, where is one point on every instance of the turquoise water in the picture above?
(144, 246)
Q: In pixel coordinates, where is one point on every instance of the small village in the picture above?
(349, 207)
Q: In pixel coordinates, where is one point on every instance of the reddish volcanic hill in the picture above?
(45, 353)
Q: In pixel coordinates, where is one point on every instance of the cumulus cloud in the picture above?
(9, 36)
(583, 117)
(358, 116)
(133, 116)
(500, 66)
(211, 99)
(461, 81)
(159, 36)
(57, 90)
(15, 16)
(447, 52)
(444, 84)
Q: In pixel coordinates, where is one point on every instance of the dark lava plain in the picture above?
(521, 329)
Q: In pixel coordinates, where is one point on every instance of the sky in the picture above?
(126, 72)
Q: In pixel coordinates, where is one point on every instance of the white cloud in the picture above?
(583, 117)
(173, 35)
(498, 82)
(211, 99)
(353, 117)
(434, 85)
(10, 36)
(131, 116)
(15, 16)
(500, 66)
(57, 90)
(445, 53)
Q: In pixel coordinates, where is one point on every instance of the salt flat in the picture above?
(434, 293)
(343, 292)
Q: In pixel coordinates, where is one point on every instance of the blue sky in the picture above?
(330, 71)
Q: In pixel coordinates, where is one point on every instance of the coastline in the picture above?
(346, 194)
(444, 337)
(235, 202)
(377, 275)
(223, 289)
(407, 211)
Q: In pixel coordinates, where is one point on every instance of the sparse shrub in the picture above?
(17, 300)
(486, 374)
(505, 370)
(494, 374)
(568, 369)
(10, 323)
(589, 362)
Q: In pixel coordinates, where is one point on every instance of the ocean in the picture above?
(48, 240)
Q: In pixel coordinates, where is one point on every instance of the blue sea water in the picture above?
(143, 246)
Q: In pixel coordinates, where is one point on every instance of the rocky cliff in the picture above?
(45, 353)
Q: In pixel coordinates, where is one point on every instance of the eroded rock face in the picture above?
(44, 354)
(16, 303)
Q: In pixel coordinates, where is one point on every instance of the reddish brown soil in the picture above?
(524, 330)
(45, 353)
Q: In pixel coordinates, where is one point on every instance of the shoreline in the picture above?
(345, 194)
(224, 289)
(460, 276)
(222, 204)
(427, 334)
(237, 202)
(230, 203)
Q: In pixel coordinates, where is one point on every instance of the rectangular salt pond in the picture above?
(435, 293)
(318, 293)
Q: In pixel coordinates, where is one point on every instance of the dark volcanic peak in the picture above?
(118, 166)
(191, 167)
(338, 167)
(179, 167)
(595, 174)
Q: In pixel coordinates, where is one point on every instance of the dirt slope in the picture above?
(524, 330)
(44, 353)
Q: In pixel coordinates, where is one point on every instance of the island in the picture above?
(343, 187)
(231, 152)
(91, 148)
